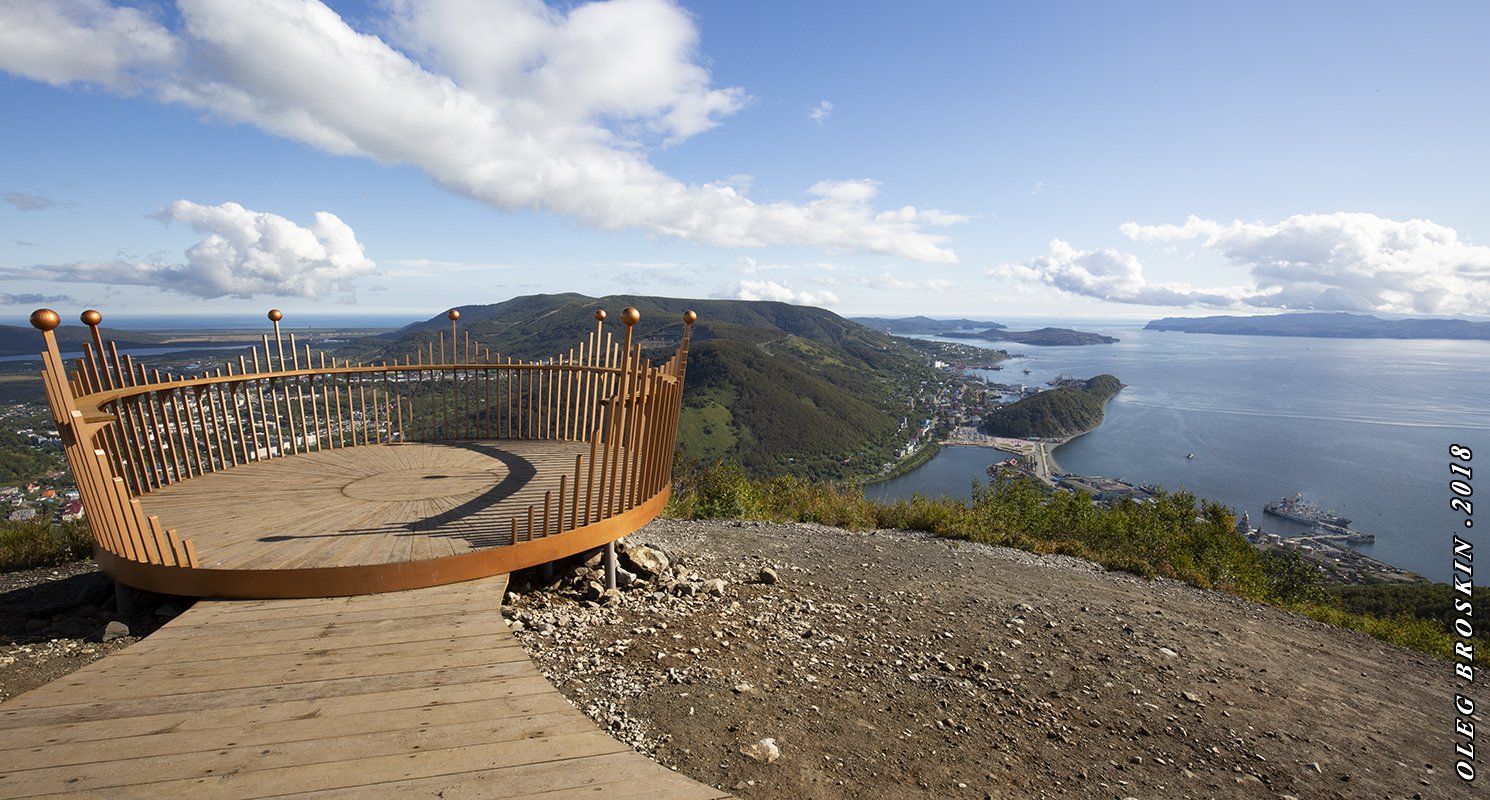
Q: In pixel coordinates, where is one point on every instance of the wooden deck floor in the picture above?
(420, 693)
(376, 504)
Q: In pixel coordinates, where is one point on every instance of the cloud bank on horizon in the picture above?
(1329, 262)
(509, 102)
(245, 253)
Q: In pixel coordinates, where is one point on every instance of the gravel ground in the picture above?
(54, 620)
(895, 664)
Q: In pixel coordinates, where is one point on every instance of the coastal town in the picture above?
(35, 485)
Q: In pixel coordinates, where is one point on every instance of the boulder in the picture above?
(646, 560)
(765, 751)
(115, 630)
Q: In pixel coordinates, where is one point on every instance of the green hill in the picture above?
(24, 340)
(1066, 411)
(782, 389)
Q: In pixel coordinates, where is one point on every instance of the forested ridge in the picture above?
(780, 388)
(1064, 411)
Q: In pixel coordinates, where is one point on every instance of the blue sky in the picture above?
(1126, 160)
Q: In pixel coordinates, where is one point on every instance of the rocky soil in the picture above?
(54, 620)
(799, 661)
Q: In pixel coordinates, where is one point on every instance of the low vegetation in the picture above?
(1175, 536)
(21, 461)
(38, 543)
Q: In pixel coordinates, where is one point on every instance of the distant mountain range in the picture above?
(975, 329)
(1045, 337)
(17, 340)
(925, 326)
(783, 389)
(1331, 325)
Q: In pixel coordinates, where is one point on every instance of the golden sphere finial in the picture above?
(452, 315)
(90, 317)
(599, 315)
(45, 319)
(690, 316)
(275, 315)
(630, 316)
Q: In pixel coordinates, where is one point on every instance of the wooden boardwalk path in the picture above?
(420, 693)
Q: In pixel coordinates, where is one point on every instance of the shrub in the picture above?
(24, 545)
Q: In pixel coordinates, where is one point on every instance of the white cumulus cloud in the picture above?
(1346, 261)
(245, 253)
(507, 101)
(1333, 262)
(62, 41)
(1105, 274)
(890, 282)
(772, 290)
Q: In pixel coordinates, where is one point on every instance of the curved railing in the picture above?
(129, 431)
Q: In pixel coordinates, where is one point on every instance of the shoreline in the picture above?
(906, 465)
(1042, 451)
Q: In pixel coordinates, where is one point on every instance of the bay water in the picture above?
(1358, 426)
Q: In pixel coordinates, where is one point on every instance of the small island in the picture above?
(1339, 325)
(1073, 408)
(1044, 337)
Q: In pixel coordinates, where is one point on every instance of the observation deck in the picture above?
(290, 473)
(359, 520)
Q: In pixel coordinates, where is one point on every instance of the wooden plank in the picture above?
(448, 651)
(548, 709)
(329, 759)
(55, 705)
(201, 647)
(241, 780)
(526, 694)
(610, 776)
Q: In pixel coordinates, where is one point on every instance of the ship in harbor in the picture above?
(1302, 511)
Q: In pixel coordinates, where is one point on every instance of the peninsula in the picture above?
(1044, 337)
(904, 326)
(1338, 325)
